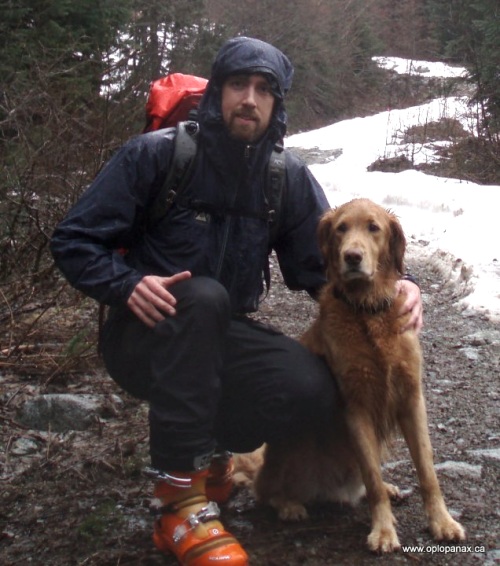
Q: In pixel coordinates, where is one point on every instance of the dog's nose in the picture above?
(353, 257)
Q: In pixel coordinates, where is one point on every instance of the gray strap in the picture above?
(185, 145)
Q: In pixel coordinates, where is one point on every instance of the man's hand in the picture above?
(151, 301)
(412, 305)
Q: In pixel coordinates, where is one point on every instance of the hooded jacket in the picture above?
(210, 237)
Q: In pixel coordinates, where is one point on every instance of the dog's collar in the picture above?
(381, 306)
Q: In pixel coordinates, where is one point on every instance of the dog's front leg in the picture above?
(413, 423)
(383, 536)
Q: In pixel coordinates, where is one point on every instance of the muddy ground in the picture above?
(79, 498)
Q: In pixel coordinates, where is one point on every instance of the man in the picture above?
(177, 334)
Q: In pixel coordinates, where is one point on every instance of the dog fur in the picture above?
(378, 368)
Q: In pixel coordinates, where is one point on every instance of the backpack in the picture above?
(172, 102)
(171, 98)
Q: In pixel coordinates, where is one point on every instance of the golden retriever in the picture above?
(378, 369)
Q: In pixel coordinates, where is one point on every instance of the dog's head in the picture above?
(361, 241)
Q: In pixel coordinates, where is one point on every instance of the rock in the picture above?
(484, 337)
(459, 469)
(470, 353)
(23, 447)
(487, 453)
(63, 412)
(316, 155)
(492, 558)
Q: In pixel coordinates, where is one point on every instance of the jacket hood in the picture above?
(248, 55)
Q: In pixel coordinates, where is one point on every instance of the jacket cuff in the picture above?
(409, 277)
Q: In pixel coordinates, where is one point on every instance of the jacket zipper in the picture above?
(227, 229)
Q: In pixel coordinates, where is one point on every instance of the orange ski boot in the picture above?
(188, 524)
(220, 477)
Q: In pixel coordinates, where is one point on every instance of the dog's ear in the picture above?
(397, 244)
(326, 242)
(325, 227)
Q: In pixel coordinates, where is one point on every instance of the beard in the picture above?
(245, 126)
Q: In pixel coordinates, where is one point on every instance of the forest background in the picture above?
(74, 77)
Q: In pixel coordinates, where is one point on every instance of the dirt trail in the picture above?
(80, 498)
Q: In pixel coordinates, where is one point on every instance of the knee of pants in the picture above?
(203, 295)
(288, 402)
(315, 397)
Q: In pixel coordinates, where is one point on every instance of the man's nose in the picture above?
(249, 98)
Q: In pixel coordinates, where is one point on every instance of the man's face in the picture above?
(247, 106)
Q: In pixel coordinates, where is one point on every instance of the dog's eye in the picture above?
(372, 227)
(342, 227)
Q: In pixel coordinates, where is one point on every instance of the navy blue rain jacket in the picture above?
(230, 247)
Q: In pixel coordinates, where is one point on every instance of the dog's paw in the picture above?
(383, 540)
(392, 491)
(447, 528)
(292, 511)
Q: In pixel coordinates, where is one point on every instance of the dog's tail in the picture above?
(247, 466)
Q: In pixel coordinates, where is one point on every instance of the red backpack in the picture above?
(171, 99)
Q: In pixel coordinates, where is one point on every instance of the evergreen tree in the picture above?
(469, 33)
(484, 62)
(165, 37)
(65, 33)
(403, 28)
(50, 69)
(450, 22)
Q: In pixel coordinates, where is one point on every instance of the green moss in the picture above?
(99, 522)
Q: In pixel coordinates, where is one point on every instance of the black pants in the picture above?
(214, 379)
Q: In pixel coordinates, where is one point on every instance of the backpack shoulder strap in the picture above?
(275, 188)
(185, 146)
